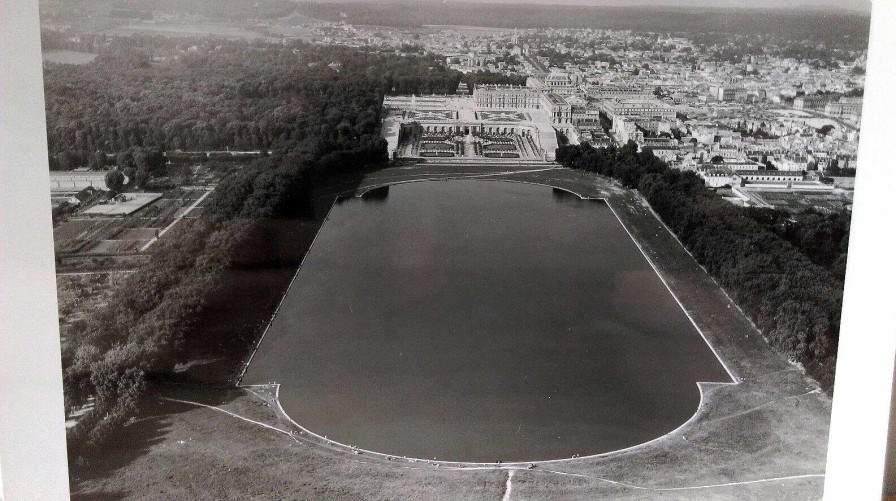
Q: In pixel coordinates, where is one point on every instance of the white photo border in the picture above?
(32, 433)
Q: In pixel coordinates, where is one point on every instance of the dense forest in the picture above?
(770, 273)
(836, 29)
(823, 238)
(315, 121)
(216, 10)
(145, 93)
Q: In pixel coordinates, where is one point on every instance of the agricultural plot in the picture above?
(797, 202)
(91, 236)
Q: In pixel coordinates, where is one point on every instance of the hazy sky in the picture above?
(856, 5)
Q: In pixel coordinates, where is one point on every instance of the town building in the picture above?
(558, 110)
(560, 83)
(745, 176)
(726, 93)
(845, 107)
(815, 102)
(637, 108)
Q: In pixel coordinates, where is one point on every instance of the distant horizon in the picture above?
(851, 6)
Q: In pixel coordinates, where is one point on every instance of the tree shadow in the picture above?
(100, 496)
(250, 289)
(148, 429)
(223, 333)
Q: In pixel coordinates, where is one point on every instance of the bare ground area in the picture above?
(763, 437)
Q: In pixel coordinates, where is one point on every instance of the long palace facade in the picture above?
(504, 97)
(410, 119)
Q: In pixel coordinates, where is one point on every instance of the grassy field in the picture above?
(183, 451)
(764, 437)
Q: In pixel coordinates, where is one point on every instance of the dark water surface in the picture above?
(482, 320)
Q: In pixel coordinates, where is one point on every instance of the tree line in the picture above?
(769, 273)
(823, 238)
(125, 108)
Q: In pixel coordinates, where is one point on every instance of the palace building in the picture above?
(497, 122)
(503, 97)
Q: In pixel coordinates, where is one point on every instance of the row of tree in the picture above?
(795, 302)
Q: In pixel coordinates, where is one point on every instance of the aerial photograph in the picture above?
(453, 250)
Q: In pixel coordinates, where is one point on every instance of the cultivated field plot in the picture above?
(443, 320)
(103, 235)
(797, 202)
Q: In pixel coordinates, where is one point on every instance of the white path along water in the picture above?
(512, 471)
(509, 486)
